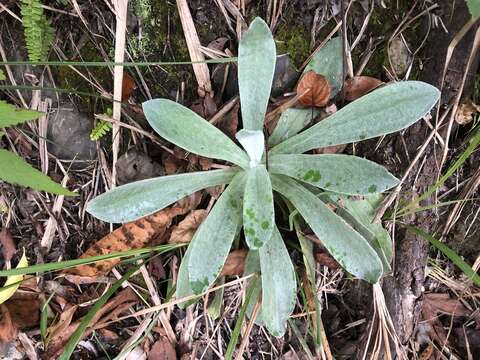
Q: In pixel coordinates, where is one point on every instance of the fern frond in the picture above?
(100, 130)
(38, 30)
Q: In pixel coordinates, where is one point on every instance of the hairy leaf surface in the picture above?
(291, 122)
(258, 213)
(383, 111)
(212, 241)
(279, 286)
(184, 128)
(344, 174)
(328, 62)
(141, 198)
(256, 65)
(346, 245)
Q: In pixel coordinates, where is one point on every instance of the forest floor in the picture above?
(434, 305)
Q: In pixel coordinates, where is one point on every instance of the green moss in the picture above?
(294, 41)
(162, 40)
(70, 79)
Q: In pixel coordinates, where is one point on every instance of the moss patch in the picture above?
(294, 41)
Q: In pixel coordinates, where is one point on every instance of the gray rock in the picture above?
(284, 77)
(69, 135)
(135, 165)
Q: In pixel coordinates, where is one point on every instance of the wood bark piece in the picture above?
(201, 71)
(404, 290)
(121, 7)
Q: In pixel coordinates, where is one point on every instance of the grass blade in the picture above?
(449, 253)
(77, 335)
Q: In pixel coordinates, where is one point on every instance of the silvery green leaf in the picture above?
(212, 241)
(291, 122)
(360, 214)
(383, 111)
(252, 265)
(182, 127)
(346, 245)
(183, 288)
(256, 65)
(346, 174)
(279, 286)
(141, 198)
(329, 63)
(258, 213)
(253, 141)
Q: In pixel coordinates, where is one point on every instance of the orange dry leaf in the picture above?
(162, 350)
(134, 235)
(8, 245)
(235, 263)
(8, 331)
(128, 85)
(313, 89)
(184, 231)
(358, 86)
(465, 112)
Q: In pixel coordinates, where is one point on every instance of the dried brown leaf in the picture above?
(24, 308)
(313, 89)
(442, 303)
(235, 263)
(128, 85)
(8, 245)
(120, 303)
(162, 350)
(184, 231)
(466, 112)
(358, 86)
(8, 331)
(66, 317)
(133, 235)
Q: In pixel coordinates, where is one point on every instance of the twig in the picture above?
(121, 7)
(248, 330)
(201, 71)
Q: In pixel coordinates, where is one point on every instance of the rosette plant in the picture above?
(258, 171)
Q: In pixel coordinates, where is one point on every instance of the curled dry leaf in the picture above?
(184, 231)
(162, 350)
(358, 86)
(313, 89)
(8, 331)
(128, 84)
(466, 112)
(8, 245)
(24, 308)
(235, 263)
(112, 309)
(66, 317)
(133, 235)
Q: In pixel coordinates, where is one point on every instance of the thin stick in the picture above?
(179, 301)
(121, 7)
(248, 330)
(201, 71)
